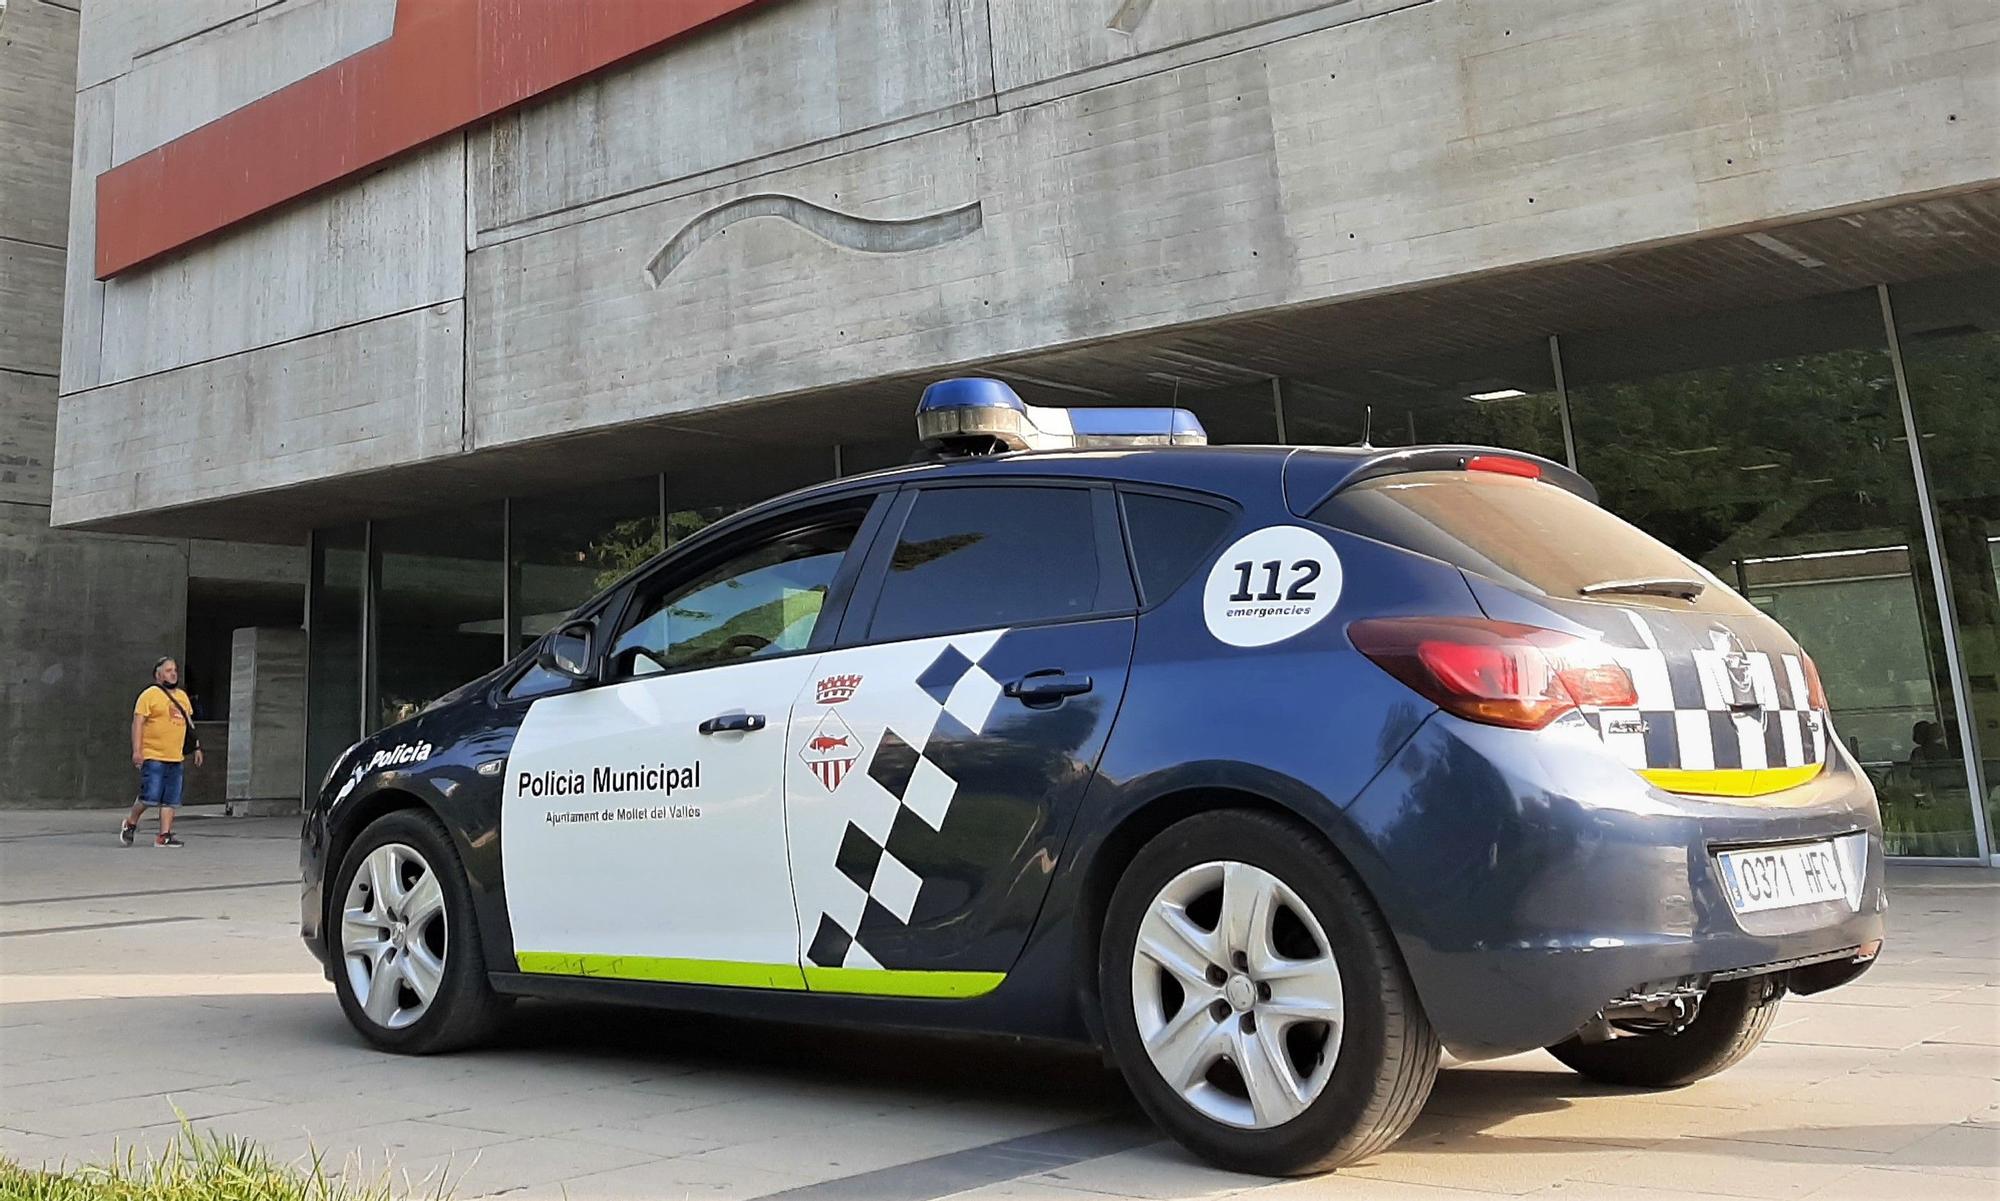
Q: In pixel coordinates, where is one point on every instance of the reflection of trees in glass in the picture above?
(623, 547)
(915, 554)
(1717, 460)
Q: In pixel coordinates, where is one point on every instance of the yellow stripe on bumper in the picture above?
(875, 982)
(1732, 782)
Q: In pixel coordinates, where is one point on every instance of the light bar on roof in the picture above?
(972, 415)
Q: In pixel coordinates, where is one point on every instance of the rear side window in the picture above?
(975, 558)
(1521, 532)
(1170, 538)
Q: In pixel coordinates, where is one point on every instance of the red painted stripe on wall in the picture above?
(447, 64)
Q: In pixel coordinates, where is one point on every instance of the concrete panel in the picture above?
(1055, 47)
(31, 280)
(739, 92)
(27, 437)
(247, 563)
(390, 243)
(82, 617)
(381, 394)
(189, 84)
(751, 296)
(267, 713)
(82, 295)
(1437, 141)
(37, 97)
(117, 31)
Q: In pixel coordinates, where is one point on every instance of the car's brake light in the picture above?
(1815, 692)
(1497, 672)
(1502, 465)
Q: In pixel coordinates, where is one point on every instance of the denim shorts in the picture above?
(160, 783)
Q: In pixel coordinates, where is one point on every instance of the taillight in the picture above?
(1502, 465)
(1815, 692)
(1497, 672)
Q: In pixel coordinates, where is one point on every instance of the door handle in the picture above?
(1045, 688)
(732, 723)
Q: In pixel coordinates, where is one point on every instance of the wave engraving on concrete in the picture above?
(866, 234)
(1129, 15)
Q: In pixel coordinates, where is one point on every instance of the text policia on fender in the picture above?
(657, 778)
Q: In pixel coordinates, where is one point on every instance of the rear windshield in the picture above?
(1521, 532)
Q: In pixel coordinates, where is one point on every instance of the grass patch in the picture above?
(196, 1167)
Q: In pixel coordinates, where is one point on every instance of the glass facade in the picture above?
(1772, 444)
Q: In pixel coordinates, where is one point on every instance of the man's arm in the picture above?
(138, 729)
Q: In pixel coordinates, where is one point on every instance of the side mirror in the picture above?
(567, 650)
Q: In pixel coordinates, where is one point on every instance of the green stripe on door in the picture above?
(665, 971)
(879, 982)
(875, 982)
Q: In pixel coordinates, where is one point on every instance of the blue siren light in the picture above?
(972, 415)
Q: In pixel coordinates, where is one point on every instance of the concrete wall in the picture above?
(827, 191)
(82, 616)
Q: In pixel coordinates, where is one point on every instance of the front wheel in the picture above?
(1732, 1020)
(1254, 1001)
(411, 975)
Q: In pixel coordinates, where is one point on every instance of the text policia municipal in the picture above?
(656, 778)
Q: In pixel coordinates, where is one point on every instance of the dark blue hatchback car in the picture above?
(1270, 770)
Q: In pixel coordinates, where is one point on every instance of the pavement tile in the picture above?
(659, 1180)
(109, 1117)
(1969, 1149)
(1729, 1168)
(554, 1114)
(1884, 1184)
(1838, 1127)
(520, 1162)
(1937, 1099)
(1829, 1023)
(1160, 1170)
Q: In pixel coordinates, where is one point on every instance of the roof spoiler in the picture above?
(1313, 475)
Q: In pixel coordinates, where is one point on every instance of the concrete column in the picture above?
(267, 713)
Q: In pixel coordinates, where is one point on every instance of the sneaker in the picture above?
(125, 833)
(168, 840)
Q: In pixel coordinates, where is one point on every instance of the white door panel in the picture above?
(635, 846)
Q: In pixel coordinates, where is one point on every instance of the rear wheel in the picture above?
(411, 975)
(1732, 1020)
(1254, 1001)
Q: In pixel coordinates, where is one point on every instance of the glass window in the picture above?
(333, 650)
(1170, 538)
(1519, 531)
(762, 601)
(439, 606)
(1949, 331)
(1767, 445)
(1502, 397)
(734, 477)
(976, 558)
(569, 546)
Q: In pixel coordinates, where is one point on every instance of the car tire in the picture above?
(1384, 1054)
(441, 934)
(1732, 1020)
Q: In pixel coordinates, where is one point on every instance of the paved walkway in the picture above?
(141, 984)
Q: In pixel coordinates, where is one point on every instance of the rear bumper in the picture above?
(1531, 880)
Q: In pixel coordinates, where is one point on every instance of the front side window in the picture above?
(980, 557)
(764, 600)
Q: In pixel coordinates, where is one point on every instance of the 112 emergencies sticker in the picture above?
(1270, 585)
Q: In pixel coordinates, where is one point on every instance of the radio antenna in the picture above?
(1367, 426)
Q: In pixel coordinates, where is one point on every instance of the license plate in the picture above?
(1781, 877)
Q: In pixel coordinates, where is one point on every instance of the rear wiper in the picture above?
(1686, 589)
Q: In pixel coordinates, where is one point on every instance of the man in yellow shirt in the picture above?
(160, 738)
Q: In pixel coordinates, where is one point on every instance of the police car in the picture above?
(1268, 770)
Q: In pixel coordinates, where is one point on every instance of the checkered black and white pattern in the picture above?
(855, 844)
(1696, 712)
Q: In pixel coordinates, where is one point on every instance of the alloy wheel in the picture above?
(1237, 995)
(393, 935)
